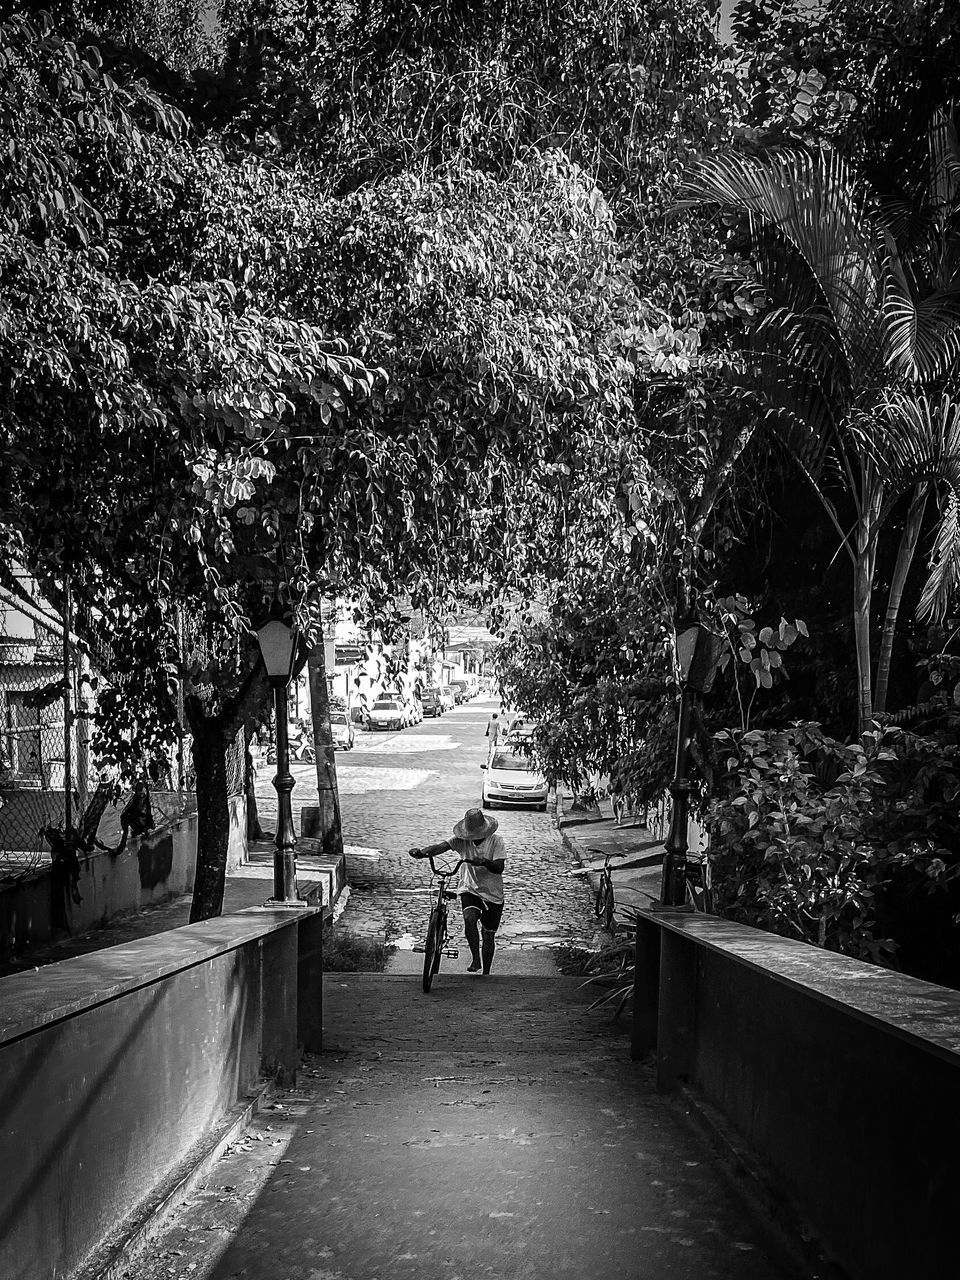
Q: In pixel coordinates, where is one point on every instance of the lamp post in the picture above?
(698, 652)
(278, 647)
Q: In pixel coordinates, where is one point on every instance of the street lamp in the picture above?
(698, 652)
(278, 647)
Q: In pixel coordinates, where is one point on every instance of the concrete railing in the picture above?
(120, 1070)
(842, 1077)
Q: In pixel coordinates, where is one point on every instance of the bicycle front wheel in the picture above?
(431, 950)
(605, 902)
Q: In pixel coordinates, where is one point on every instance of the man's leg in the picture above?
(489, 948)
(471, 927)
(490, 922)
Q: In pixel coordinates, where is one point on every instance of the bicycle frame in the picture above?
(435, 941)
(605, 898)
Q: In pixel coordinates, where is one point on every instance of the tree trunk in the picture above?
(862, 598)
(210, 746)
(328, 794)
(908, 546)
(254, 830)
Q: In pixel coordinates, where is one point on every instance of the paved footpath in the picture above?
(495, 1128)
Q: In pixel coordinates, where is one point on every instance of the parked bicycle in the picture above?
(696, 881)
(435, 942)
(605, 902)
(698, 886)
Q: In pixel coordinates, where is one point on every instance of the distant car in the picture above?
(447, 697)
(520, 730)
(461, 690)
(510, 778)
(388, 713)
(342, 730)
(414, 709)
(432, 702)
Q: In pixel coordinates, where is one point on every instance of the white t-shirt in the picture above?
(484, 883)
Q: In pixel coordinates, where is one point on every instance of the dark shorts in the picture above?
(491, 913)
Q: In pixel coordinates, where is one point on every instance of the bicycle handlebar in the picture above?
(438, 871)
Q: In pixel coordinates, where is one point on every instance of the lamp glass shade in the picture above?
(278, 645)
(687, 648)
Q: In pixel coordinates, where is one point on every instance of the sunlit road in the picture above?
(409, 788)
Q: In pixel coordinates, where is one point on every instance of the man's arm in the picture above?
(432, 850)
(492, 864)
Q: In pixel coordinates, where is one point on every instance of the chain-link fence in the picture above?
(48, 771)
(34, 750)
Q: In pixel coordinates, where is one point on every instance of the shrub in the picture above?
(817, 839)
(345, 952)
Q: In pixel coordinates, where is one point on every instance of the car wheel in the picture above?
(542, 807)
(485, 804)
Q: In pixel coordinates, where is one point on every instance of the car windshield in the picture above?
(507, 760)
(337, 717)
(385, 706)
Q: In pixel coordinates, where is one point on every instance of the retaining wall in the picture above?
(117, 1068)
(842, 1077)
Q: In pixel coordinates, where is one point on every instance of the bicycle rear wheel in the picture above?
(431, 949)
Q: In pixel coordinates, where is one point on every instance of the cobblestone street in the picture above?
(403, 789)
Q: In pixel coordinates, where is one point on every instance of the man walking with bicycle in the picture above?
(481, 882)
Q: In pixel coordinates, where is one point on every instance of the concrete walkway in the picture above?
(636, 855)
(495, 1128)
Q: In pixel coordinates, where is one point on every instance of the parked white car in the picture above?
(388, 713)
(509, 778)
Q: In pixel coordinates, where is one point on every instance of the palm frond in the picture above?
(808, 345)
(806, 401)
(815, 205)
(916, 437)
(911, 438)
(942, 582)
(944, 149)
(922, 338)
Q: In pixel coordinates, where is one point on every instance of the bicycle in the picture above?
(435, 943)
(698, 883)
(604, 903)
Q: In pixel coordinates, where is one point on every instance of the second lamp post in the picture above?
(278, 646)
(698, 651)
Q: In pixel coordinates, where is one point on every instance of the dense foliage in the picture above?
(408, 299)
(845, 845)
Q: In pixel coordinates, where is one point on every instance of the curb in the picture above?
(115, 1256)
(572, 845)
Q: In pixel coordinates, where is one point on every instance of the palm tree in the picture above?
(852, 363)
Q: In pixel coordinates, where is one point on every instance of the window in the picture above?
(506, 760)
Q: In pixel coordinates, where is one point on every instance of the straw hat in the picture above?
(475, 825)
